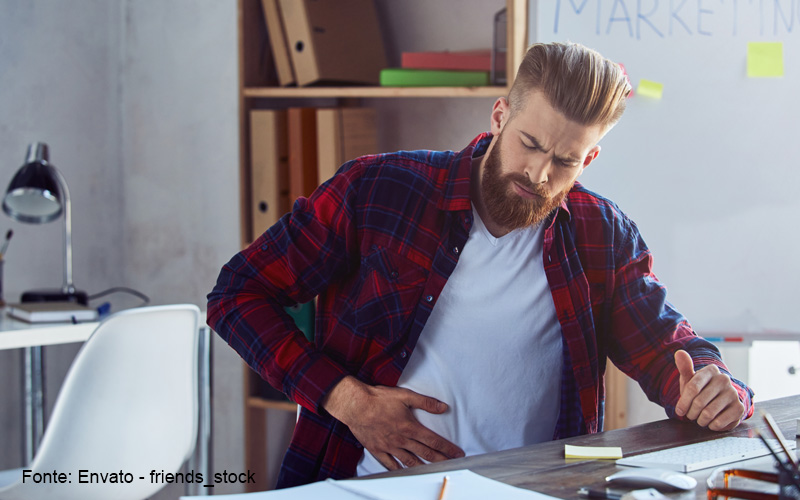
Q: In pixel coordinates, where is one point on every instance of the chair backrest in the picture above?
(128, 406)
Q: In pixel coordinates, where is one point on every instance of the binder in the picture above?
(302, 128)
(464, 60)
(269, 164)
(333, 41)
(344, 134)
(404, 77)
(277, 39)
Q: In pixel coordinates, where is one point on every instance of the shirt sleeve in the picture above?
(648, 330)
(291, 263)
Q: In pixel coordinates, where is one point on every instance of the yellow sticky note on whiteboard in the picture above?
(571, 451)
(764, 59)
(650, 88)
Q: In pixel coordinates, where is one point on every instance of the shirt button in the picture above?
(455, 250)
(403, 354)
(429, 298)
(394, 274)
(549, 258)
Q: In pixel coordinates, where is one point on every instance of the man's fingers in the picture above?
(413, 452)
(440, 448)
(728, 418)
(707, 413)
(691, 388)
(387, 461)
(721, 414)
(407, 458)
(709, 399)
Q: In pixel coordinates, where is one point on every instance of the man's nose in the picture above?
(538, 169)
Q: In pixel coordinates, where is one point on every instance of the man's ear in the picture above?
(500, 114)
(590, 156)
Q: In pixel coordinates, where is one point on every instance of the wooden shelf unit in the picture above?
(372, 92)
(255, 84)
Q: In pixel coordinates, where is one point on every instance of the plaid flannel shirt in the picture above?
(376, 244)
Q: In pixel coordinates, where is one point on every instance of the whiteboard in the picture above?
(709, 172)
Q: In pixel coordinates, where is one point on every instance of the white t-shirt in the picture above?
(491, 348)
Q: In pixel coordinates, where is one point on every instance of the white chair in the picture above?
(128, 404)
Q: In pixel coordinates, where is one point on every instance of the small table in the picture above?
(16, 334)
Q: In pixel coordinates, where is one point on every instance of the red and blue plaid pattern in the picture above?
(376, 244)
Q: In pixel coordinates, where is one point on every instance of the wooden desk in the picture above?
(543, 468)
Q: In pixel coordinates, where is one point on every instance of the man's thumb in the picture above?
(685, 366)
(429, 404)
(426, 403)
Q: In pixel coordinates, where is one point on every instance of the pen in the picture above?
(785, 467)
(597, 494)
(444, 488)
(3, 249)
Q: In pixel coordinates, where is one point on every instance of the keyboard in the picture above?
(692, 457)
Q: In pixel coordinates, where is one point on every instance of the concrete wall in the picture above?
(58, 70)
(137, 100)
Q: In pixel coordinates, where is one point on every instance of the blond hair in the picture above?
(577, 81)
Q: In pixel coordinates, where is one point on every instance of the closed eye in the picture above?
(565, 163)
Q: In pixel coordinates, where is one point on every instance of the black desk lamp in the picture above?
(37, 194)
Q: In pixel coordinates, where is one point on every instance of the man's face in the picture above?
(533, 163)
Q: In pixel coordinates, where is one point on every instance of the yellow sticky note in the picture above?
(571, 451)
(764, 59)
(650, 89)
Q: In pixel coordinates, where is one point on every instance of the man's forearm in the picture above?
(344, 397)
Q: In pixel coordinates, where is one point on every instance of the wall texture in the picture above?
(178, 116)
(137, 100)
(58, 71)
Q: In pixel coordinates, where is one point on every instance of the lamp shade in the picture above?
(33, 195)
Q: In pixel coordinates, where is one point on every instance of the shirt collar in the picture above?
(456, 178)
(563, 209)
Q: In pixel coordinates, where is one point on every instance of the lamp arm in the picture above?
(68, 286)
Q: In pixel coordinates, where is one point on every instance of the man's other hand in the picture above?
(381, 419)
(707, 396)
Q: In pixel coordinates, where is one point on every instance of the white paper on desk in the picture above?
(462, 485)
(316, 491)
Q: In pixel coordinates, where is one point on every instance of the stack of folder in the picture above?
(469, 68)
(295, 150)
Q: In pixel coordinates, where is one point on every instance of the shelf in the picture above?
(367, 92)
(256, 402)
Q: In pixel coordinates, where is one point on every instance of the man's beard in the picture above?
(508, 209)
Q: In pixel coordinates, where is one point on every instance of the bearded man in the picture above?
(467, 301)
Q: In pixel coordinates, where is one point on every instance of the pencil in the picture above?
(444, 488)
(773, 428)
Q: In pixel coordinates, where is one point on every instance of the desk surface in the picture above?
(15, 333)
(543, 468)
